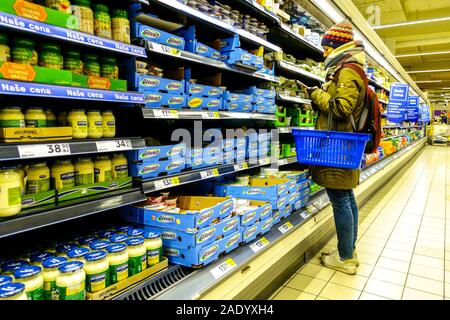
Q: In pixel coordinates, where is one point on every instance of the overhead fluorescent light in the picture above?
(428, 81)
(426, 71)
(421, 54)
(330, 10)
(409, 23)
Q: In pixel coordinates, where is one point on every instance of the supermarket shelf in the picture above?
(52, 214)
(293, 68)
(52, 149)
(383, 102)
(165, 182)
(376, 84)
(297, 41)
(149, 113)
(28, 89)
(284, 97)
(196, 58)
(400, 127)
(33, 28)
(289, 129)
(393, 137)
(195, 14)
(261, 10)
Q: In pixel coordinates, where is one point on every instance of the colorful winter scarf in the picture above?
(352, 52)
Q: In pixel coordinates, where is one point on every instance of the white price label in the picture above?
(113, 145)
(259, 6)
(240, 166)
(165, 49)
(210, 115)
(285, 227)
(209, 173)
(44, 150)
(282, 162)
(264, 161)
(284, 130)
(258, 245)
(223, 268)
(166, 183)
(166, 114)
(304, 215)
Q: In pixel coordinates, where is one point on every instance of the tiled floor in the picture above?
(403, 243)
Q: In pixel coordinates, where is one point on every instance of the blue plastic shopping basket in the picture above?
(330, 148)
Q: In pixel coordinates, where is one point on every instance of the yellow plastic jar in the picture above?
(10, 192)
(51, 119)
(63, 174)
(95, 124)
(62, 119)
(120, 26)
(71, 281)
(102, 169)
(119, 166)
(118, 238)
(118, 262)
(5, 51)
(12, 117)
(13, 291)
(35, 118)
(84, 171)
(137, 256)
(77, 119)
(21, 172)
(62, 249)
(50, 274)
(97, 271)
(38, 178)
(99, 245)
(31, 277)
(37, 258)
(154, 246)
(109, 124)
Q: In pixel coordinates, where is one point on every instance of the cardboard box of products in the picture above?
(38, 199)
(27, 73)
(79, 80)
(35, 134)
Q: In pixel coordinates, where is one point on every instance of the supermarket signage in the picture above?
(398, 102)
(425, 114)
(22, 24)
(412, 113)
(44, 90)
(43, 150)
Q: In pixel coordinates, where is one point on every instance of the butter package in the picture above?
(153, 169)
(252, 211)
(202, 103)
(265, 225)
(153, 153)
(158, 36)
(159, 100)
(201, 90)
(144, 83)
(35, 134)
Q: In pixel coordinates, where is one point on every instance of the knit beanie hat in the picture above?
(338, 35)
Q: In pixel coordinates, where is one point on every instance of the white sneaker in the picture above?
(333, 251)
(333, 261)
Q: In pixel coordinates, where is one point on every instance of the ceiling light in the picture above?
(330, 10)
(421, 54)
(428, 81)
(401, 24)
(425, 71)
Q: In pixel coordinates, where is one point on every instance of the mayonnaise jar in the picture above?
(13, 291)
(70, 282)
(118, 238)
(5, 280)
(123, 229)
(50, 274)
(84, 171)
(99, 245)
(77, 254)
(109, 124)
(95, 124)
(118, 262)
(10, 267)
(135, 232)
(62, 249)
(86, 241)
(119, 166)
(38, 178)
(77, 119)
(154, 246)
(103, 168)
(63, 174)
(105, 234)
(38, 258)
(97, 271)
(33, 280)
(10, 192)
(137, 256)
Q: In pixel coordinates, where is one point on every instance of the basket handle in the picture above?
(330, 114)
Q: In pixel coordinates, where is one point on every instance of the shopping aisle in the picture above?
(403, 243)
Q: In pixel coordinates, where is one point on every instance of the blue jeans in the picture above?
(345, 212)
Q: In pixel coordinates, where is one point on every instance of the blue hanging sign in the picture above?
(398, 102)
(14, 22)
(412, 113)
(30, 89)
(425, 114)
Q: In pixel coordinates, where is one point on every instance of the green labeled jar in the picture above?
(71, 281)
(12, 117)
(50, 56)
(97, 271)
(120, 26)
(23, 51)
(38, 178)
(63, 174)
(91, 65)
(102, 21)
(110, 68)
(81, 9)
(118, 262)
(51, 118)
(72, 61)
(50, 274)
(84, 171)
(5, 51)
(31, 277)
(137, 255)
(35, 118)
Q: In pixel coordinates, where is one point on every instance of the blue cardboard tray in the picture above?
(237, 97)
(194, 46)
(201, 90)
(155, 35)
(250, 217)
(300, 203)
(230, 44)
(151, 154)
(271, 94)
(159, 99)
(261, 100)
(240, 56)
(196, 257)
(199, 103)
(276, 216)
(144, 83)
(250, 233)
(153, 169)
(265, 108)
(266, 225)
(268, 194)
(200, 238)
(238, 106)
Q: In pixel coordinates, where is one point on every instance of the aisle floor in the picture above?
(403, 244)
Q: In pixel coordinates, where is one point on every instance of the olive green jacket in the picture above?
(348, 93)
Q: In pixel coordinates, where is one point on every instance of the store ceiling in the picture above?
(429, 37)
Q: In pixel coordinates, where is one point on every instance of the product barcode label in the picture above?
(282, 162)
(258, 245)
(114, 145)
(209, 173)
(284, 130)
(264, 161)
(165, 49)
(240, 166)
(285, 227)
(223, 268)
(44, 150)
(166, 183)
(210, 115)
(166, 114)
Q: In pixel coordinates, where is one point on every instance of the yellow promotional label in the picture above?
(195, 103)
(30, 10)
(98, 83)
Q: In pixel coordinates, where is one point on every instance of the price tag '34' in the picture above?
(113, 145)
